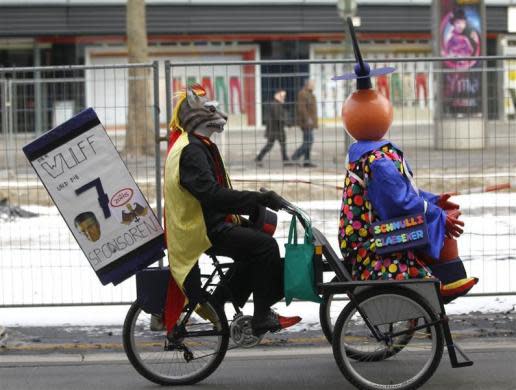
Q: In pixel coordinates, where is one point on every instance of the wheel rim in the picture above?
(172, 365)
(409, 363)
(333, 309)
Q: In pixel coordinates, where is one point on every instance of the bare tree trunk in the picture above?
(140, 130)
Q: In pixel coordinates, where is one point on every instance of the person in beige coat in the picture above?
(307, 121)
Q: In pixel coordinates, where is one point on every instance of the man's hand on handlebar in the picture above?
(271, 200)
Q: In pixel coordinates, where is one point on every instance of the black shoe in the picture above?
(308, 164)
(258, 162)
(272, 322)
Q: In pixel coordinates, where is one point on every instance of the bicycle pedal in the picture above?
(241, 332)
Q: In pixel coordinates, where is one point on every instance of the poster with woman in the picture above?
(461, 32)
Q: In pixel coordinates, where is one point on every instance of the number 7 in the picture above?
(103, 198)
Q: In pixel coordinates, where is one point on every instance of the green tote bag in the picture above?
(299, 278)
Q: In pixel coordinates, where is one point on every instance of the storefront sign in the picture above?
(97, 197)
(412, 85)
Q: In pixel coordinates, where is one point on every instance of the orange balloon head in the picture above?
(367, 115)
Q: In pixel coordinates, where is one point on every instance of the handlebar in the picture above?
(292, 209)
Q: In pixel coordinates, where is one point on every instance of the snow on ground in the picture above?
(89, 316)
(40, 262)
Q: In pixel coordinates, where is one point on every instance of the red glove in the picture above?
(445, 204)
(453, 224)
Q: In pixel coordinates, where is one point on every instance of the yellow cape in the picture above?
(187, 239)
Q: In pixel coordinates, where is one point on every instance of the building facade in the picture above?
(61, 32)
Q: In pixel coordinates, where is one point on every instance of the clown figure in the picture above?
(379, 186)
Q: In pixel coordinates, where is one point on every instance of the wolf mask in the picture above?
(197, 113)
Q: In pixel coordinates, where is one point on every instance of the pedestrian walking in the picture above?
(277, 119)
(307, 121)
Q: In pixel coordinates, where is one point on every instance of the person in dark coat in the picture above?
(275, 127)
(307, 121)
(203, 215)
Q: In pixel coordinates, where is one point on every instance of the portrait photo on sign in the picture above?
(88, 225)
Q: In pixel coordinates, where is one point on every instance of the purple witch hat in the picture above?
(363, 71)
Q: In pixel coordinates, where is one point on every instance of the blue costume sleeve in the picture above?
(391, 196)
(390, 192)
(429, 197)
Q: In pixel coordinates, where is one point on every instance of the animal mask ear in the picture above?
(191, 97)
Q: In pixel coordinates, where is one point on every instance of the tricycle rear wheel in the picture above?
(398, 314)
(187, 358)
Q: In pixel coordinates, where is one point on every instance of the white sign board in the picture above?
(511, 19)
(97, 197)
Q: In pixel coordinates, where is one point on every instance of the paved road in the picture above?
(278, 368)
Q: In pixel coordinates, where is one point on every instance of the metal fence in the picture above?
(40, 261)
(460, 141)
(449, 149)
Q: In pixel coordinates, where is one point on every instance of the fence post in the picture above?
(11, 122)
(157, 142)
(3, 107)
(38, 98)
(168, 95)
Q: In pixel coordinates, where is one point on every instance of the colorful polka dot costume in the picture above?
(356, 216)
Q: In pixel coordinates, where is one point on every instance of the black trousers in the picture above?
(258, 268)
(270, 143)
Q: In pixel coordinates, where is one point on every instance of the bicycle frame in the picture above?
(217, 271)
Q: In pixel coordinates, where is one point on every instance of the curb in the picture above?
(24, 348)
(21, 346)
(271, 351)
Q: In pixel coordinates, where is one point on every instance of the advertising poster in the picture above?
(410, 86)
(97, 197)
(237, 88)
(460, 32)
